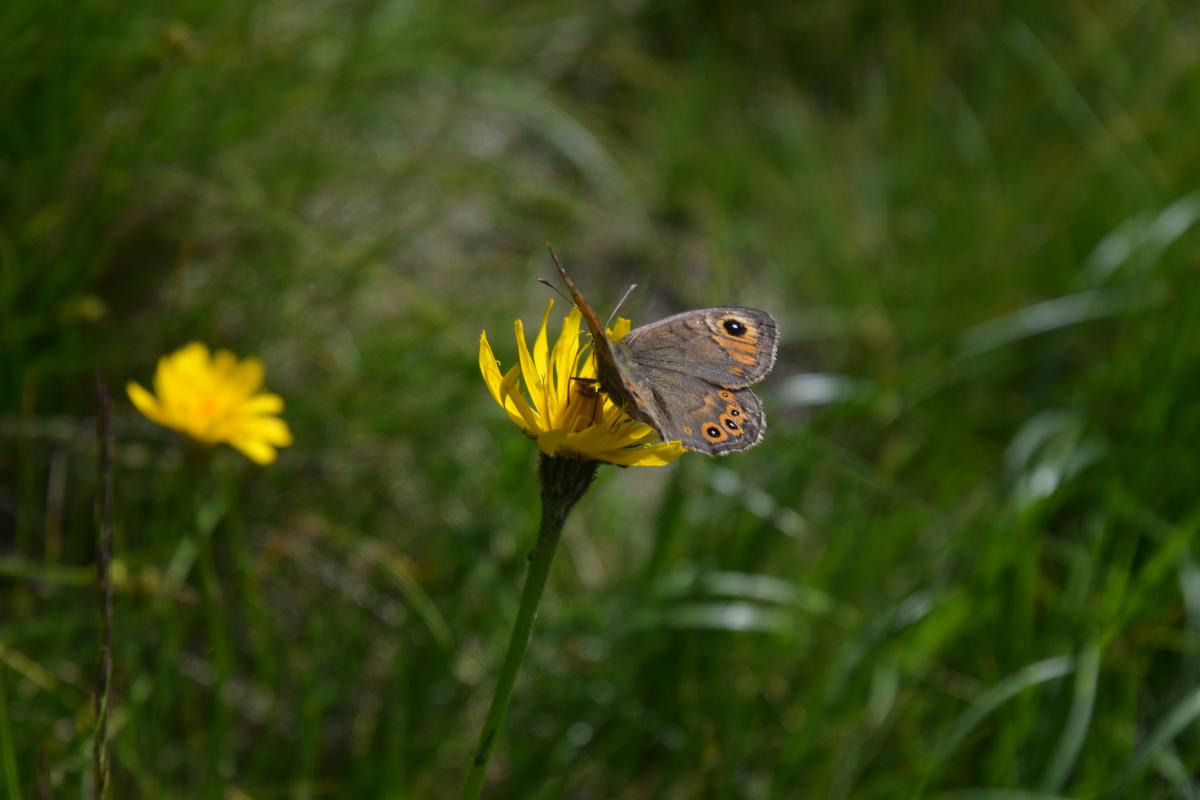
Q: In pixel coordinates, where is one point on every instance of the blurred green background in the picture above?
(962, 564)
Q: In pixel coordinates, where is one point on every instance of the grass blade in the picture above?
(1102, 143)
(1028, 677)
(1056, 314)
(1000, 794)
(1071, 742)
(8, 756)
(731, 617)
(1184, 713)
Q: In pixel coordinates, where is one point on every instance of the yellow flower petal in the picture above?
(144, 402)
(550, 442)
(248, 376)
(541, 360)
(271, 430)
(658, 455)
(510, 396)
(621, 327)
(490, 368)
(256, 450)
(265, 403)
(533, 381)
(190, 363)
(224, 364)
(564, 362)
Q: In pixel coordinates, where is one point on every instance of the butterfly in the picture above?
(687, 376)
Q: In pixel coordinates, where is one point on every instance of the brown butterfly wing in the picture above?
(728, 346)
(710, 419)
(696, 366)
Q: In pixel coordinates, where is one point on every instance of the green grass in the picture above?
(973, 574)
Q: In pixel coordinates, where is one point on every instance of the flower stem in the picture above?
(564, 480)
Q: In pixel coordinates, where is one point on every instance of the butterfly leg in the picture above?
(587, 385)
(589, 388)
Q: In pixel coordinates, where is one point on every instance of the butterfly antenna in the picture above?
(620, 303)
(557, 290)
(562, 272)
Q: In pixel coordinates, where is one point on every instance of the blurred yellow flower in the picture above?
(570, 417)
(215, 399)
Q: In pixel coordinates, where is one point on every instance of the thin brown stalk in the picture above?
(104, 548)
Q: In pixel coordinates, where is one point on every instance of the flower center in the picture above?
(208, 406)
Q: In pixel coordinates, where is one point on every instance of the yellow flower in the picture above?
(570, 417)
(215, 399)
